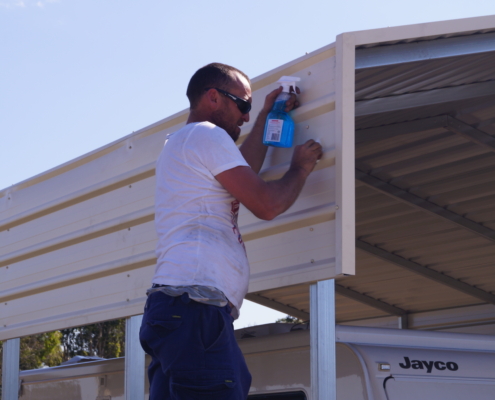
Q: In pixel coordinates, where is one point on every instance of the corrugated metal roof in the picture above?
(441, 165)
(419, 76)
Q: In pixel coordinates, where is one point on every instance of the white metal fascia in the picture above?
(345, 155)
(425, 30)
(424, 50)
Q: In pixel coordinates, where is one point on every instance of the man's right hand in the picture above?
(306, 156)
(266, 200)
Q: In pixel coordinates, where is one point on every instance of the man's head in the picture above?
(212, 93)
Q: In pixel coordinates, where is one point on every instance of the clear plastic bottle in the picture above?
(279, 127)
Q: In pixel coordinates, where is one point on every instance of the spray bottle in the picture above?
(279, 127)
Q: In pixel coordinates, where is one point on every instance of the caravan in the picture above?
(372, 364)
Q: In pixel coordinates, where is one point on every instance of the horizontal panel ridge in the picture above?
(77, 318)
(289, 221)
(277, 171)
(307, 111)
(314, 108)
(136, 218)
(79, 196)
(86, 274)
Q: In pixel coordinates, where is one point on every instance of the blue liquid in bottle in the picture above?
(279, 127)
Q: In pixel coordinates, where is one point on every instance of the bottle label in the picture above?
(274, 130)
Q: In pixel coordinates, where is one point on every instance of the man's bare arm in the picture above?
(253, 150)
(266, 200)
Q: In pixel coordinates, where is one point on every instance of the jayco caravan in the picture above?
(372, 364)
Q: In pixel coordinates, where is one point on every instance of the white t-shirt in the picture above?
(199, 242)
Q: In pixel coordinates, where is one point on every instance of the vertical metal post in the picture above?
(134, 360)
(313, 336)
(10, 369)
(322, 331)
(404, 321)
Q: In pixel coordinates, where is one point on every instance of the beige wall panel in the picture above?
(318, 192)
(79, 257)
(118, 161)
(144, 146)
(94, 211)
(106, 298)
(77, 242)
(300, 255)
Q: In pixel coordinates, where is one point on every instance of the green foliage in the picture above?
(104, 339)
(37, 351)
(41, 350)
(289, 320)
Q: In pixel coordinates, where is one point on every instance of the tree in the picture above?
(41, 350)
(290, 320)
(103, 339)
(38, 351)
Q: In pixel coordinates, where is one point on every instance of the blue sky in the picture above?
(76, 75)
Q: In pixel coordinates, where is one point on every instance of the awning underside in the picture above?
(425, 184)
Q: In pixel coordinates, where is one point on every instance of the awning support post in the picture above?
(404, 322)
(134, 360)
(322, 333)
(10, 369)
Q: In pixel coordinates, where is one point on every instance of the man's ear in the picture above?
(212, 99)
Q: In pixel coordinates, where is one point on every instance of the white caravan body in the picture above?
(372, 364)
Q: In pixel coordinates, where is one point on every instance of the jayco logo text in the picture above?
(428, 365)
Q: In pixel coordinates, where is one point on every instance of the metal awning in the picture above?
(425, 186)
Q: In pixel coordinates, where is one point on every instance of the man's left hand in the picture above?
(289, 104)
(292, 102)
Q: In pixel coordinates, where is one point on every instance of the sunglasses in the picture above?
(243, 105)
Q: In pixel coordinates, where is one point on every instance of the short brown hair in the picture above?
(214, 75)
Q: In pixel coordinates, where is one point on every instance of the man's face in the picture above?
(228, 115)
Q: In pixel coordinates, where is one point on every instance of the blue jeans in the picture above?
(193, 350)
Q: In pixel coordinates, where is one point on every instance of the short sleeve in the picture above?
(214, 149)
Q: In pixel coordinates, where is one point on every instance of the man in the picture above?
(202, 271)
